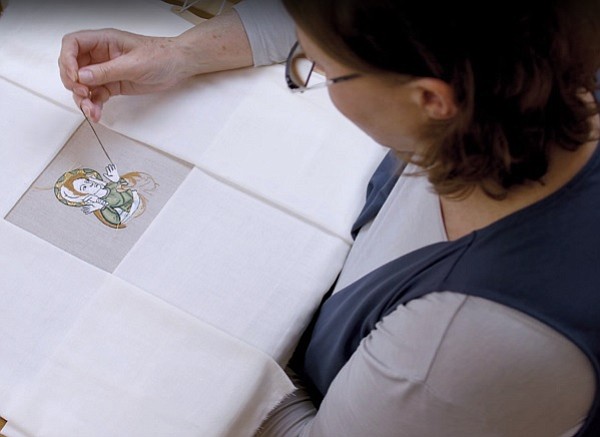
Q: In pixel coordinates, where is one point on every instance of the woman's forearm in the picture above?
(218, 44)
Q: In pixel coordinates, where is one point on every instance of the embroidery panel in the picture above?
(90, 208)
(113, 201)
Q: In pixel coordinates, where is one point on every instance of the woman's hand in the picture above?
(98, 64)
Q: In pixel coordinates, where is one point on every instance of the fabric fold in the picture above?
(134, 365)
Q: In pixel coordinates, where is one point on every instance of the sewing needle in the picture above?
(97, 137)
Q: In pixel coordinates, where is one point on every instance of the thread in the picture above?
(97, 137)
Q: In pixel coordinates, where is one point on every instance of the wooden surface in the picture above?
(201, 11)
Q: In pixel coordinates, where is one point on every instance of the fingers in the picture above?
(93, 102)
(85, 66)
(96, 57)
(92, 111)
(96, 65)
(67, 61)
(81, 90)
(76, 51)
(120, 68)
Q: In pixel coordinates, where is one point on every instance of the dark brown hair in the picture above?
(518, 70)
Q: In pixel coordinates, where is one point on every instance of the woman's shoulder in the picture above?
(475, 354)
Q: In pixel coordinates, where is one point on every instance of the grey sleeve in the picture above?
(451, 365)
(270, 30)
(290, 418)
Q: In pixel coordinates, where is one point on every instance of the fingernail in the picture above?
(85, 76)
(81, 91)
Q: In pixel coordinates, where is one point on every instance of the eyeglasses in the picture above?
(299, 72)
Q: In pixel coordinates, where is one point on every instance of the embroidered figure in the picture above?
(114, 200)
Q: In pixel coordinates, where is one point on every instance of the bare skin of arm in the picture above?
(99, 64)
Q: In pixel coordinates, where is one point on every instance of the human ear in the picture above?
(435, 98)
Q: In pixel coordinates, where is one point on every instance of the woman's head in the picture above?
(515, 73)
(373, 101)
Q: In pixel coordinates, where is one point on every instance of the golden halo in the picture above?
(73, 174)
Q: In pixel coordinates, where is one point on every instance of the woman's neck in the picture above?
(477, 210)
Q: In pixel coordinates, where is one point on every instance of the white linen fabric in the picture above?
(43, 291)
(317, 157)
(54, 305)
(234, 261)
(33, 131)
(185, 120)
(320, 160)
(220, 285)
(129, 354)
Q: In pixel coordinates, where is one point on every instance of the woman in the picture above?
(468, 305)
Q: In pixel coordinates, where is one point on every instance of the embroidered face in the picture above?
(87, 186)
(75, 185)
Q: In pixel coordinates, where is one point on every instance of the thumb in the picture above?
(114, 70)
